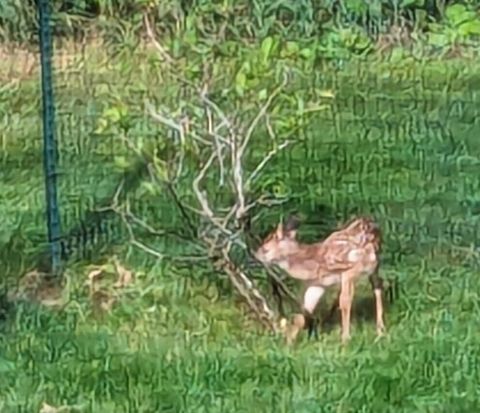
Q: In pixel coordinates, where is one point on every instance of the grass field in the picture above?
(400, 142)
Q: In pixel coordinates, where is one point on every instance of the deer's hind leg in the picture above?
(333, 309)
(346, 297)
(311, 298)
(377, 286)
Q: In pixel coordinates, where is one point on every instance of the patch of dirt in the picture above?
(104, 287)
(17, 64)
(397, 36)
(20, 62)
(104, 294)
(39, 288)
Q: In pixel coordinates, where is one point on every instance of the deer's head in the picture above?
(280, 243)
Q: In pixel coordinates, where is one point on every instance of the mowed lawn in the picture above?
(177, 340)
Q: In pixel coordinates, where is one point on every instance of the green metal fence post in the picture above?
(49, 143)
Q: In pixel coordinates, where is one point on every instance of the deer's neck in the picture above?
(301, 262)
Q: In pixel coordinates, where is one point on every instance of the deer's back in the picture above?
(354, 249)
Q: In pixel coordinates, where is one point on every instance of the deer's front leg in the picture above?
(311, 299)
(345, 301)
(377, 286)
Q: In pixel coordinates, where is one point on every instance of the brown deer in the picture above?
(346, 255)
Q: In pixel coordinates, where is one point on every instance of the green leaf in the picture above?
(300, 105)
(437, 39)
(176, 48)
(102, 125)
(240, 82)
(5, 237)
(280, 190)
(149, 187)
(362, 41)
(397, 55)
(116, 113)
(458, 13)
(307, 53)
(357, 6)
(266, 48)
(6, 366)
(292, 47)
(113, 114)
(325, 93)
(121, 162)
(420, 18)
(470, 27)
(417, 3)
(190, 37)
(161, 169)
(263, 94)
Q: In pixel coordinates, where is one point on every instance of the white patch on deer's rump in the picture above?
(312, 297)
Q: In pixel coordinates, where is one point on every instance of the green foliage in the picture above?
(340, 26)
(460, 25)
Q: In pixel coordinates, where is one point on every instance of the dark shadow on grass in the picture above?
(97, 231)
(363, 310)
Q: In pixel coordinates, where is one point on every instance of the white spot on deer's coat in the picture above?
(354, 255)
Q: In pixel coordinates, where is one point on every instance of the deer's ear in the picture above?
(292, 223)
(280, 232)
(291, 226)
(291, 234)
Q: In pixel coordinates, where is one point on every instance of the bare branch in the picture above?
(270, 130)
(130, 145)
(203, 200)
(221, 145)
(201, 196)
(237, 168)
(218, 145)
(264, 161)
(180, 205)
(265, 201)
(163, 52)
(238, 152)
(179, 127)
(254, 298)
(127, 215)
(261, 113)
(273, 275)
(225, 121)
(163, 119)
(131, 234)
(152, 231)
(146, 248)
(115, 200)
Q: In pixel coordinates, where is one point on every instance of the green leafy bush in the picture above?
(330, 20)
